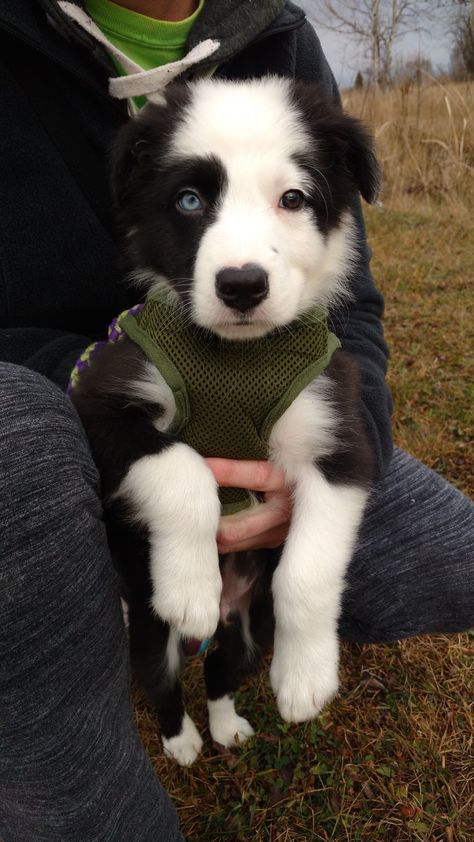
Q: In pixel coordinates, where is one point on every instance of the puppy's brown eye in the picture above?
(292, 200)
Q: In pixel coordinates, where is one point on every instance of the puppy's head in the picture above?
(237, 196)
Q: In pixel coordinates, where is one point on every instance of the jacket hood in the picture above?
(234, 23)
(223, 29)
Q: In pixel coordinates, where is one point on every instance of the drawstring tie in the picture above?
(139, 82)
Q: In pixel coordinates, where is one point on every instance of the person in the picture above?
(72, 767)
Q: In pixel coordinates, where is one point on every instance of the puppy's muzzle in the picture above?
(242, 289)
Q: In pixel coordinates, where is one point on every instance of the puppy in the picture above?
(235, 203)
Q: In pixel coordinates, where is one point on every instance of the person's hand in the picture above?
(263, 526)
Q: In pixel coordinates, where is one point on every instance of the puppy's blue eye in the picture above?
(190, 201)
(292, 200)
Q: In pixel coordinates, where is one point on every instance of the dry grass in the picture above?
(424, 264)
(391, 758)
(425, 141)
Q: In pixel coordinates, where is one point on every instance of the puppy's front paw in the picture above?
(304, 679)
(226, 726)
(189, 602)
(185, 747)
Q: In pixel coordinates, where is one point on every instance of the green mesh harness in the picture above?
(229, 394)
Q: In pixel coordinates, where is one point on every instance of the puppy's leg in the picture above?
(242, 640)
(307, 588)
(174, 494)
(321, 444)
(224, 669)
(157, 662)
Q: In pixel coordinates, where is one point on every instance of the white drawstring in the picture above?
(150, 83)
(138, 82)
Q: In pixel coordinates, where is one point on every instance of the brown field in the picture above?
(391, 758)
(425, 141)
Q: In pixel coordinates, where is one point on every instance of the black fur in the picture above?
(352, 461)
(118, 425)
(147, 182)
(342, 161)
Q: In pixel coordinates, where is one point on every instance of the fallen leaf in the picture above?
(408, 811)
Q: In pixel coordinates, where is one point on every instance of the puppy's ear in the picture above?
(342, 144)
(360, 157)
(132, 151)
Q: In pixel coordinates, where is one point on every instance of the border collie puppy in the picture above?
(235, 202)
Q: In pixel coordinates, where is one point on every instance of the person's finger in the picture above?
(233, 529)
(268, 540)
(240, 473)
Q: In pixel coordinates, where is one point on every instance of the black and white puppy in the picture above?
(223, 175)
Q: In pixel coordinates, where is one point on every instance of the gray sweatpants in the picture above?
(72, 768)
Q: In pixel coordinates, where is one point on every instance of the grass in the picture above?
(424, 263)
(391, 758)
(425, 140)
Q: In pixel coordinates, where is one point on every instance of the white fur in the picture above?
(125, 614)
(307, 588)
(186, 746)
(307, 430)
(153, 387)
(174, 493)
(226, 726)
(309, 580)
(247, 634)
(173, 653)
(254, 130)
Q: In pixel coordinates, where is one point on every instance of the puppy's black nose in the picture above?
(242, 288)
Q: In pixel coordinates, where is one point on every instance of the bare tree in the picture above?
(462, 54)
(376, 24)
(413, 70)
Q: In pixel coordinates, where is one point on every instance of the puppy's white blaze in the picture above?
(153, 387)
(174, 493)
(185, 747)
(222, 116)
(306, 431)
(226, 726)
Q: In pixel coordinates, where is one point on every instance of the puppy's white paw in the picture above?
(304, 679)
(185, 747)
(226, 726)
(187, 596)
(193, 616)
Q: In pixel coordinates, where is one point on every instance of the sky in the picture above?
(342, 52)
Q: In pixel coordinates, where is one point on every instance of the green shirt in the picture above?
(149, 42)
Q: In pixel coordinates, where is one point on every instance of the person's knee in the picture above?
(41, 436)
(48, 474)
